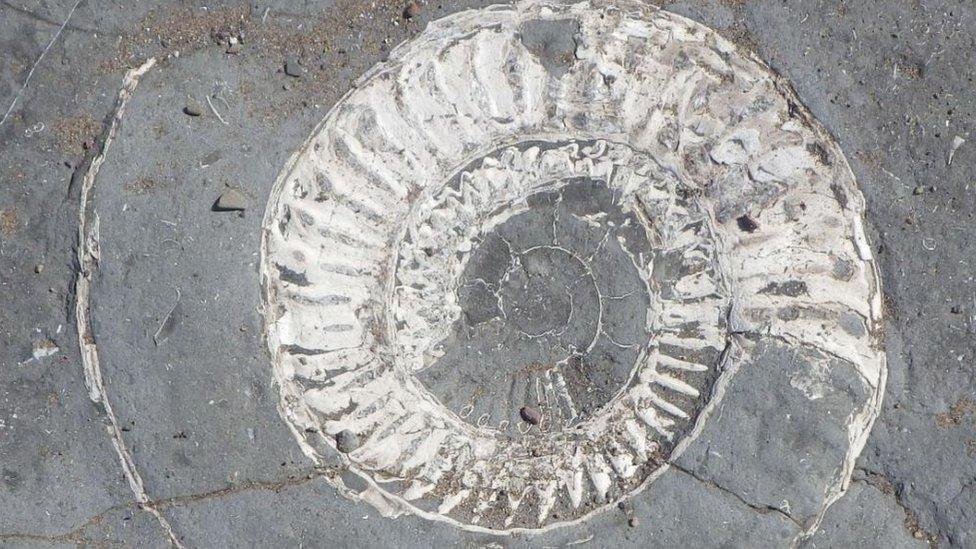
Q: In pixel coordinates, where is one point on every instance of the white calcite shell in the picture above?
(364, 243)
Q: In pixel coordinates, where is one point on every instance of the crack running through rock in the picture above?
(883, 484)
(38, 62)
(75, 535)
(761, 509)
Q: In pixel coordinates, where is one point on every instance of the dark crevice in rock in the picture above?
(761, 509)
(244, 486)
(896, 491)
(77, 534)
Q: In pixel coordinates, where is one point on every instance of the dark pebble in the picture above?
(747, 224)
(412, 10)
(531, 415)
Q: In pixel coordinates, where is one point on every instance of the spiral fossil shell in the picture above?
(606, 231)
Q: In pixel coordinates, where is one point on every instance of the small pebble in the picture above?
(193, 108)
(412, 10)
(633, 522)
(231, 200)
(293, 68)
(919, 190)
(235, 48)
(346, 441)
(955, 309)
(747, 224)
(39, 268)
(531, 415)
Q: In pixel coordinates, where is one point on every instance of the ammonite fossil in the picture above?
(514, 272)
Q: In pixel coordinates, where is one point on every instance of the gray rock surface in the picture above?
(892, 82)
(772, 441)
(867, 516)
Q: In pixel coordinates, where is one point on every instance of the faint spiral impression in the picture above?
(503, 283)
